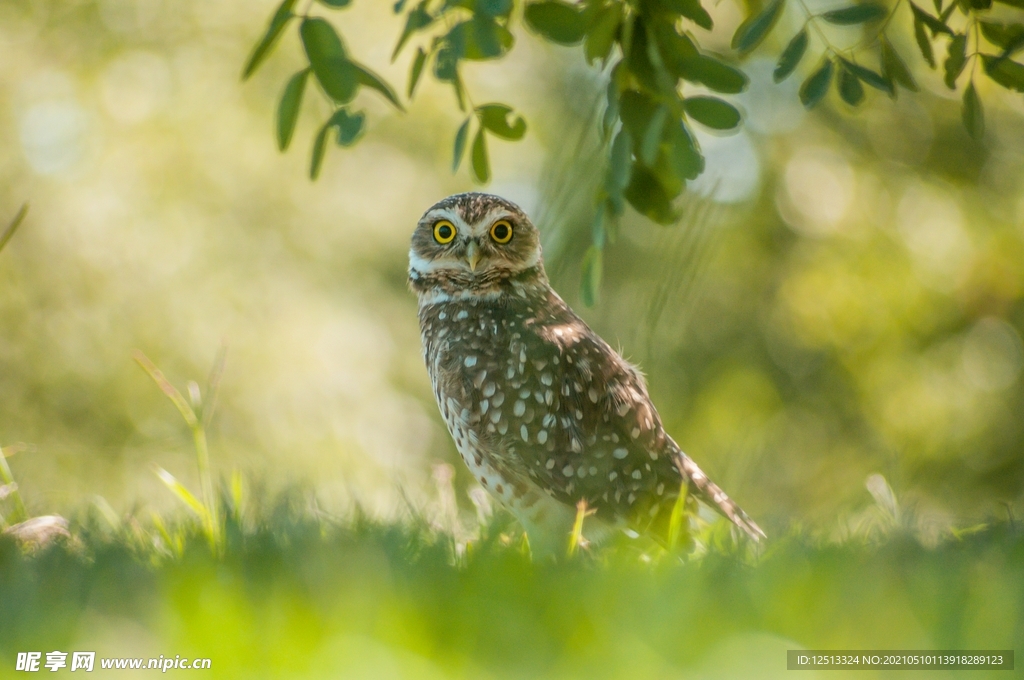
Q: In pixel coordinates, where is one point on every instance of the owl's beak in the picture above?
(473, 255)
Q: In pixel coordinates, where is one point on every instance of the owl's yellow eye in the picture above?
(444, 231)
(501, 231)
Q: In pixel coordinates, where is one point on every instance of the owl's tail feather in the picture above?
(710, 493)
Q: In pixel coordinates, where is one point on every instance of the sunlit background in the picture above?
(842, 297)
(838, 313)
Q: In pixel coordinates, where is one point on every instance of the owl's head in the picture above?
(473, 240)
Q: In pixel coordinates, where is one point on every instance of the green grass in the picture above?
(294, 596)
(279, 590)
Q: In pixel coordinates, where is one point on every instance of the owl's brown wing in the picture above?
(583, 426)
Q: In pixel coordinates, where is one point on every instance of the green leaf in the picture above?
(601, 34)
(813, 89)
(677, 51)
(481, 166)
(791, 56)
(288, 109)
(590, 281)
(619, 170)
(460, 144)
(751, 32)
(1019, 4)
(480, 38)
(869, 77)
(637, 109)
(319, 148)
(850, 89)
(1007, 73)
(651, 139)
(446, 65)
(373, 81)
(894, 68)
(493, 8)
(645, 63)
(972, 113)
(712, 112)
(856, 14)
(336, 4)
(417, 20)
(1008, 36)
(692, 10)
(270, 38)
(416, 71)
(348, 125)
(649, 197)
(336, 74)
(682, 156)
(923, 42)
(611, 109)
(935, 25)
(956, 59)
(964, 6)
(718, 76)
(494, 117)
(559, 22)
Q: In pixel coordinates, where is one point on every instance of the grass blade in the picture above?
(15, 223)
(166, 387)
(183, 494)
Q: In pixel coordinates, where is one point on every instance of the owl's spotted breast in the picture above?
(535, 400)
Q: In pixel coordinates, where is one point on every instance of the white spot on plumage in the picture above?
(469, 362)
(519, 408)
(567, 471)
(620, 453)
(524, 433)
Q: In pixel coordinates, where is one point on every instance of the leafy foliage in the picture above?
(651, 55)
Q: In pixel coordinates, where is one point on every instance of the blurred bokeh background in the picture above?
(843, 296)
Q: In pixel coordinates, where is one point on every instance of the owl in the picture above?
(543, 411)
